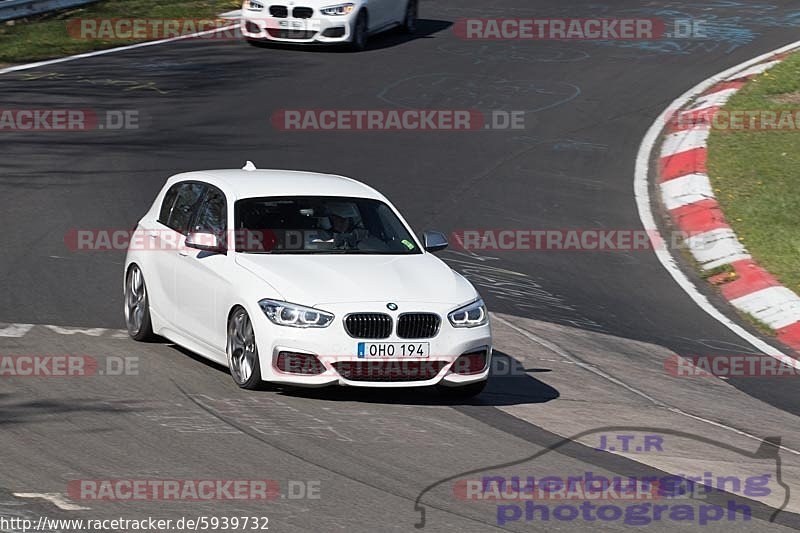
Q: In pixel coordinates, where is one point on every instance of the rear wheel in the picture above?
(463, 392)
(137, 306)
(410, 20)
(242, 351)
(358, 41)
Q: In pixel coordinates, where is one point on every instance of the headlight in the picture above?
(293, 315)
(253, 5)
(341, 9)
(469, 316)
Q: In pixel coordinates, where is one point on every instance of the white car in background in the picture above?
(323, 21)
(302, 279)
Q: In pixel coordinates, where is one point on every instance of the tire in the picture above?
(358, 41)
(410, 21)
(463, 392)
(242, 351)
(137, 306)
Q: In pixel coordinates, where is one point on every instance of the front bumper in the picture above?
(260, 25)
(333, 345)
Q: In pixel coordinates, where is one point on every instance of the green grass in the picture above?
(756, 174)
(46, 36)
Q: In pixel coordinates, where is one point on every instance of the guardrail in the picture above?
(14, 9)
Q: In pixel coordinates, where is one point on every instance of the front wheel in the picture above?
(242, 351)
(358, 41)
(410, 20)
(463, 392)
(137, 306)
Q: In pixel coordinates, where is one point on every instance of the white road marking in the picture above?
(777, 307)
(15, 330)
(717, 247)
(20, 330)
(28, 66)
(92, 332)
(594, 370)
(683, 141)
(53, 497)
(752, 71)
(686, 190)
(642, 196)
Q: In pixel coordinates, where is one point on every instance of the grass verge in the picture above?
(46, 36)
(756, 174)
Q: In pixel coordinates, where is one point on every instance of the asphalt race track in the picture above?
(607, 320)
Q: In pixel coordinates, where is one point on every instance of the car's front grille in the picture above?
(302, 12)
(368, 325)
(418, 325)
(280, 12)
(291, 34)
(389, 370)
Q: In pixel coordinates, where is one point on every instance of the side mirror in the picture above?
(434, 241)
(208, 242)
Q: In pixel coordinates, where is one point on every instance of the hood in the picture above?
(320, 279)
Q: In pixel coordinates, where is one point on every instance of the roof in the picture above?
(255, 183)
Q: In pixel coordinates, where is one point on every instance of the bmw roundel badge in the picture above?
(392, 306)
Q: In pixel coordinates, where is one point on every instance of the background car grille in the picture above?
(302, 12)
(417, 325)
(389, 370)
(368, 325)
(291, 34)
(280, 12)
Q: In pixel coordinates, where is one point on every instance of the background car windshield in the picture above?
(320, 224)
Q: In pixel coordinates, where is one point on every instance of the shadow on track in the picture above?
(31, 411)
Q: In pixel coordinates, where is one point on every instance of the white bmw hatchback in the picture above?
(325, 21)
(303, 279)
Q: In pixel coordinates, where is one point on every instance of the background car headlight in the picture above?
(293, 315)
(253, 5)
(469, 316)
(341, 9)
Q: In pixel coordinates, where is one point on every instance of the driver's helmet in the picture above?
(342, 210)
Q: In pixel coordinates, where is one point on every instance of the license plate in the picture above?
(388, 350)
(293, 24)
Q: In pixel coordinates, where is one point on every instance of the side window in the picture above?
(166, 205)
(212, 216)
(188, 200)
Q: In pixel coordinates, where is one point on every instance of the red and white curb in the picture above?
(687, 194)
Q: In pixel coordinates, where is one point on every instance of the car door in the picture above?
(168, 241)
(199, 276)
(398, 11)
(157, 260)
(381, 13)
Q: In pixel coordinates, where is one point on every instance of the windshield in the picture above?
(320, 225)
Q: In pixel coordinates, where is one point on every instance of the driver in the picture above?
(346, 231)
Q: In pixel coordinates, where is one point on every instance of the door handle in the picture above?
(183, 253)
